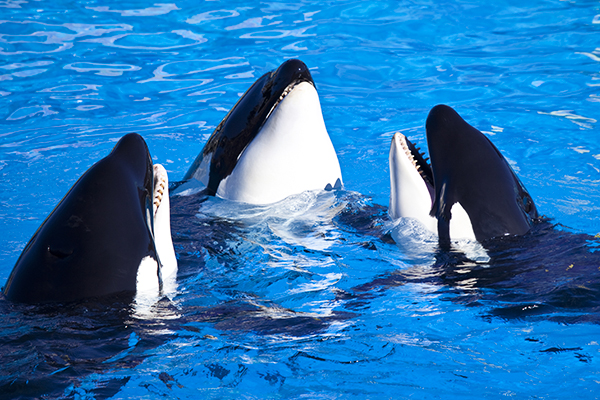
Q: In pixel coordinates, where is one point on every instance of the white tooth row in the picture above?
(409, 153)
(160, 185)
(285, 92)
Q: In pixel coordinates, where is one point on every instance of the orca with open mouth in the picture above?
(272, 144)
(109, 235)
(467, 191)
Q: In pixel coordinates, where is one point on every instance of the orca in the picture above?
(109, 235)
(467, 190)
(272, 144)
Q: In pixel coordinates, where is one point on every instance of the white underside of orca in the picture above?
(411, 198)
(291, 154)
(156, 279)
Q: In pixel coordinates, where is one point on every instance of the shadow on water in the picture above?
(49, 351)
(52, 350)
(550, 273)
(46, 350)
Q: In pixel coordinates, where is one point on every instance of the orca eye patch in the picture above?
(59, 253)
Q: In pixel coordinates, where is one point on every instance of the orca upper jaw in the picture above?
(280, 114)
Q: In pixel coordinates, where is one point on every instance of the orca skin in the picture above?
(468, 169)
(93, 242)
(273, 143)
(472, 187)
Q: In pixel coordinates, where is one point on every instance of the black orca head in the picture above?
(295, 148)
(474, 188)
(93, 242)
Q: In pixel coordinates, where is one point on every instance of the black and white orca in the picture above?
(467, 191)
(109, 235)
(272, 144)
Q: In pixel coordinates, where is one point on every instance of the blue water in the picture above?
(305, 299)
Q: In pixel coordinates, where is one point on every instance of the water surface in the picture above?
(306, 299)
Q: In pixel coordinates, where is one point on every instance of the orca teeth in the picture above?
(408, 153)
(417, 158)
(160, 186)
(285, 92)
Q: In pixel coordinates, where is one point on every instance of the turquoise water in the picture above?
(300, 300)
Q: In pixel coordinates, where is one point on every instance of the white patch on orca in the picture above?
(147, 275)
(460, 224)
(292, 153)
(147, 288)
(162, 231)
(409, 195)
(147, 283)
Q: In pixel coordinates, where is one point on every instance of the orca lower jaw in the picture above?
(291, 153)
(154, 274)
(162, 222)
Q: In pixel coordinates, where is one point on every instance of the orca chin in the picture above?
(467, 191)
(109, 235)
(271, 145)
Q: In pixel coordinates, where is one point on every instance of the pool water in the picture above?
(310, 297)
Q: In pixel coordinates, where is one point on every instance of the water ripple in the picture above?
(157, 9)
(22, 74)
(12, 3)
(149, 41)
(583, 122)
(65, 92)
(279, 33)
(254, 23)
(212, 15)
(31, 37)
(102, 69)
(25, 65)
(28, 112)
(192, 70)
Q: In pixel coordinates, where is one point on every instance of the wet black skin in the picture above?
(468, 169)
(92, 243)
(241, 125)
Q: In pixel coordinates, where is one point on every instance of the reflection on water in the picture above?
(157, 9)
(149, 41)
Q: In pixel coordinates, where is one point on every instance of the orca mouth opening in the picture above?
(160, 187)
(418, 159)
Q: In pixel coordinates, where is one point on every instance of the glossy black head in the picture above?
(92, 243)
(244, 121)
(468, 169)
